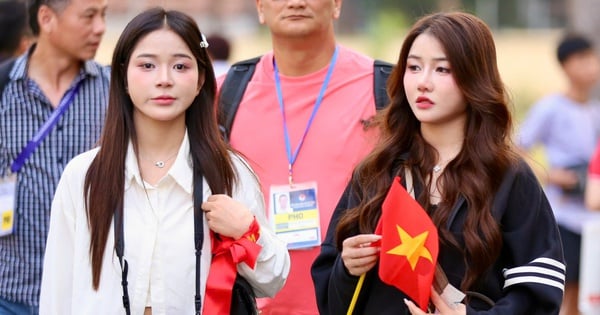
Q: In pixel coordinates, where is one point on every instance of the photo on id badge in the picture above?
(295, 215)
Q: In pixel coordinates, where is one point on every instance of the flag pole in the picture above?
(359, 285)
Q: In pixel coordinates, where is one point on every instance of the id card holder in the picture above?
(294, 214)
(7, 202)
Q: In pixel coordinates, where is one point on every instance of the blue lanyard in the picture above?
(46, 128)
(288, 147)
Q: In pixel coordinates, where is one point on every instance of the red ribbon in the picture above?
(227, 254)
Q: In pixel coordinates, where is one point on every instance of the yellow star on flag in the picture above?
(411, 247)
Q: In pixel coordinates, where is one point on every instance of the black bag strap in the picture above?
(5, 68)
(198, 236)
(243, 297)
(240, 73)
(198, 242)
(232, 91)
(381, 73)
(120, 249)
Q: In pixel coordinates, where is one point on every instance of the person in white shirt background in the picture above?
(160, 136)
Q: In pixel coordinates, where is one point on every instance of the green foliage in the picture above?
(387, 24)
(412, 8)
(385, 33)
(521, 98)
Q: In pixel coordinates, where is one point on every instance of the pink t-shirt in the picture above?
(335, 143)
(595, 163)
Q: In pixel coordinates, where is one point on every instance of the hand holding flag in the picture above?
(359, 253)
(409, 245)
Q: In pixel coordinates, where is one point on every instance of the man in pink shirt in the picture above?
(301, 124)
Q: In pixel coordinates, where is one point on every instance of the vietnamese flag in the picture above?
(409, 245)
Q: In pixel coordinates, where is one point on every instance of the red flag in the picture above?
(409, 245)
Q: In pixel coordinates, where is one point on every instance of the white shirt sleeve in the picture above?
(57, 276)
(273, 263)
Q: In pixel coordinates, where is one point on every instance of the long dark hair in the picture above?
(477, 170)
(105, 179)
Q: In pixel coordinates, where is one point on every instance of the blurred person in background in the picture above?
(219, 50)
(15, 36)
(566, 125)
(52, 109)
(303, 122)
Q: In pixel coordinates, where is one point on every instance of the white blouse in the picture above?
(159, 243)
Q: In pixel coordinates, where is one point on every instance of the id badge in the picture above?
(7, 201)
(294, 214)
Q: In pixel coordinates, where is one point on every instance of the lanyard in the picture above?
(45, 130)
(288, 147)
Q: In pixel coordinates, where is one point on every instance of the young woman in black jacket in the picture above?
(448, 126)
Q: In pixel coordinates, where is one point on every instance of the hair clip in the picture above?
(203, 43)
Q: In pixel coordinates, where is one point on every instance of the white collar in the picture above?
(181, 171)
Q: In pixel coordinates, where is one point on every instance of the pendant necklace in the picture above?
(161, 163)
(438, 167)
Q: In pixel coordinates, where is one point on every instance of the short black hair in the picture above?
(34, 7)
(13, 26)
(218, 47)
(571, 44)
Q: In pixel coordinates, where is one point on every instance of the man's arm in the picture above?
(592, 187)
(592, 193)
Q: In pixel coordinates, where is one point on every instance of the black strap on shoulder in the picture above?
(232, 91)
(198, 242)
(198, 236)
(381, 73)
(120, 249)
(240, 73)
(5, 68)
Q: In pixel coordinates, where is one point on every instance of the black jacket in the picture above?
(527, 278)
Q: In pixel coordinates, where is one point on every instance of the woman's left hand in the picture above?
(227, 216)
(442, 307)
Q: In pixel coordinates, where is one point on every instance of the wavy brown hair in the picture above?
(477, 170)
(105, 179)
